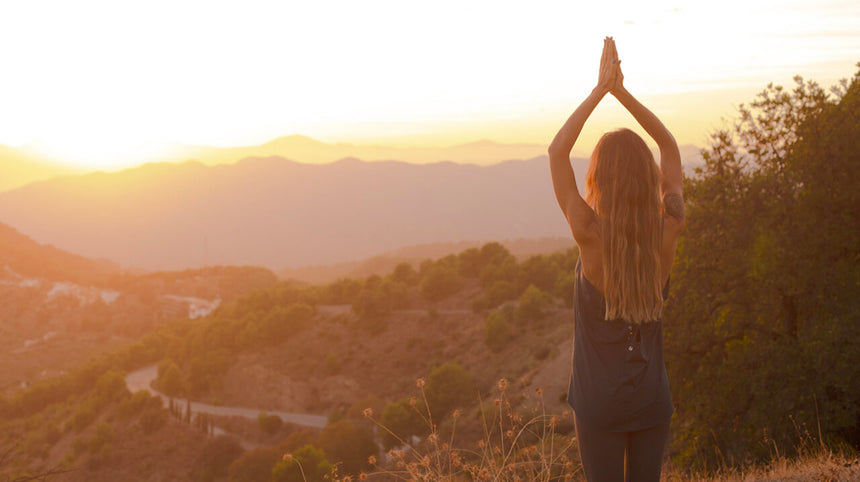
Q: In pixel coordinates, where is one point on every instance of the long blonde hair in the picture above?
(622, 186)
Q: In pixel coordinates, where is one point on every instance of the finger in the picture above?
(604, 54)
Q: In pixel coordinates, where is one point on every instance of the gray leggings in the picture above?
(604, 453)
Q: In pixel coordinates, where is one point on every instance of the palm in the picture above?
(610, 77)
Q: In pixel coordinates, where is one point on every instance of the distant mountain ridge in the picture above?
(27, 164)
(279, 214)
(21, 256)
(21, 166)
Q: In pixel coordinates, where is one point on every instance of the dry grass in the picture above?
(512, 448)
(518, 449)
(824, 466)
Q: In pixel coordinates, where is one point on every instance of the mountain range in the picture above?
(28, 164)
(278, 213)
(20, 166)
(281, 214)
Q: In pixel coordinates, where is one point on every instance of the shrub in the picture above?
(133, 405)
(307, 464)
(448, 386)
(533, 304)
(497, 331)
(215, 458)
(111, 386)
(269, 423)
(371, 303)
(402, 421)
(153, 418)
(84, 415)
(102, 437)
(350, 443)
(405, 273)
(171, 382)
(440, 282)
(254, 465)
(564, 288)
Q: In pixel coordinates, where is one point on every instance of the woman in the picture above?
(626, 228)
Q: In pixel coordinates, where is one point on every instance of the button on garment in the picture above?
(619, 380)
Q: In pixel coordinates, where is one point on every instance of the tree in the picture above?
(449, 386)
(254, 465)
(269, 423)
(440, 282)
(370, 303)
(171, 383)
(307, 464)
(215, 458)
(497, 331)
(532, 305)
(350, 443)
(401, 420)
(763, 301)
(405, 273)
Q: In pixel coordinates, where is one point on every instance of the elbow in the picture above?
(667, 143)
(556, 151)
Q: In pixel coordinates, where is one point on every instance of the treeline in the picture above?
(762, 329)
(224, 282)
(200, 351)
(198, 354)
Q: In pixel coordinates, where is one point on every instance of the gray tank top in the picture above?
(619, 381)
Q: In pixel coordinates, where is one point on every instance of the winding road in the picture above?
(142, 380)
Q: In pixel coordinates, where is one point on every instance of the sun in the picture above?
(104, 153)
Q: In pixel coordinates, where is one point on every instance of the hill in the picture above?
(277, 213)
(25, 257)
(20, 167)
(386, 262)
(307, 150)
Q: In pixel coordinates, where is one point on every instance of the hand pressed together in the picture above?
(610, 79)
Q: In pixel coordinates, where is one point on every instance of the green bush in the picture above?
(254, 465)
(111, 386)
(84, 415)
(405, 273)
(215, 457)
(269, 423)
(440, 282)
(153, 417)
(350, 443)
(533, 304)
(371, 303)
(449, 386)
(497, 331)
(403, 420)
(171, 382)
(307, 464)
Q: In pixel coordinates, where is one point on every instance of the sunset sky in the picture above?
(107, 84)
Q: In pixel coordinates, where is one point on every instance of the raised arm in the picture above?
(670, 157)
(579, 215)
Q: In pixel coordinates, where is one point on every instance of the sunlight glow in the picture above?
(104, 83)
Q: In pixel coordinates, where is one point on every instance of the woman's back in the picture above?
(618, 380)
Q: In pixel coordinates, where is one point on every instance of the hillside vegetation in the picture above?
(432, 371)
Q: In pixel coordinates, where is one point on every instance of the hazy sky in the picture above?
(103, 82)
